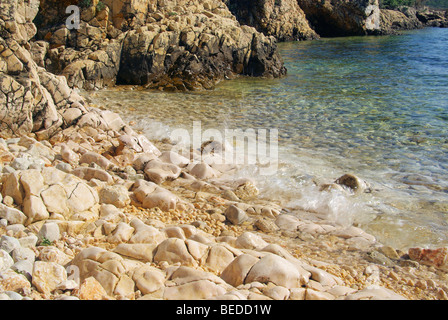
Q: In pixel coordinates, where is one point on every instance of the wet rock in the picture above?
(174, 158)
(203, 171)
(353, 183)
(288, 222)
(353, 232)
(139, 144)
(379, 258)
(230, 195)
(389, 252)
(235, 215)
(113, 120)
(247, 191)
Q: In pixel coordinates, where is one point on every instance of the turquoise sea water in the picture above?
(376, 107)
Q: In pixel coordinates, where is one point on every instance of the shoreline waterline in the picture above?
(360, 132)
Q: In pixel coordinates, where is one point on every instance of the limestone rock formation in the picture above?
(394, 20)
(30, 97)
(433, 18)
(341, 17)
(170, 45)
(283, 19)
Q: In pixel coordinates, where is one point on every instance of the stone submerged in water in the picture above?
(353, 183)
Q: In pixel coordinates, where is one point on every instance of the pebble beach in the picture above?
(100, 212)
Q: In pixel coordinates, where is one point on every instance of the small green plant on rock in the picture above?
(85, 3)
(100, 6)
(46, 242)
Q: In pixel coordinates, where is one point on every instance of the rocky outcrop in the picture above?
(393, 21)
(283, 19)
(331, 18)
(193, 46)
(89, 57)
(307, 19)
(169, 45)
(407, 18)
(31, 98)
(433, 18)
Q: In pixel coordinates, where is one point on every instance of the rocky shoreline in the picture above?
(193, 45)
(100, 212)
(91, 209)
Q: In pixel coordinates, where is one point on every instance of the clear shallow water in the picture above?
(373, 106)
